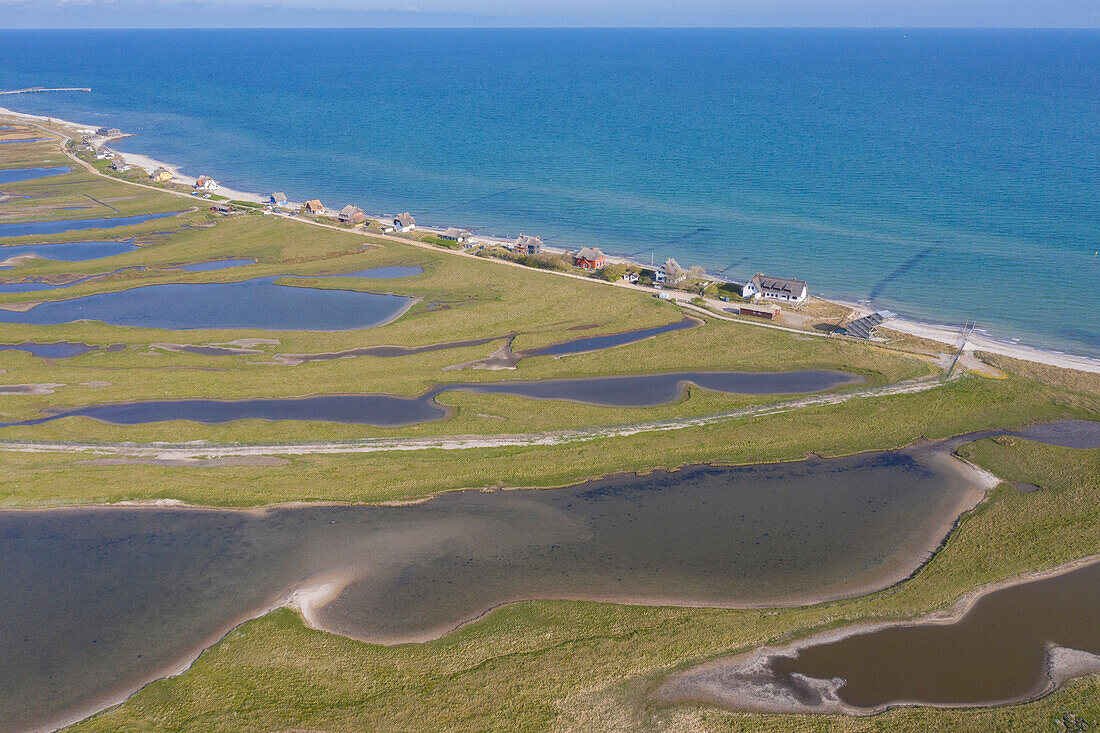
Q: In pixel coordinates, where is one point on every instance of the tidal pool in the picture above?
(68, 251)
(54, 350)
(259, 303)
(15, 175)
(384, 410)
(99, 601)
(19, 229)
(1012, 644)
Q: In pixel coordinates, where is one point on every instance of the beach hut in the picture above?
(774, 288)
(351, 215)
(404, 222)
(454, 234)
(590, 258)
(527, 245)
(278, 198)
(313, 206)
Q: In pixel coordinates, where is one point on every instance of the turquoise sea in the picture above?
(943, 174)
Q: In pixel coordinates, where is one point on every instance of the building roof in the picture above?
(778, 285)
(314, 205)
(671, 265)
(405, 219)
(160, 170)
(526, 241)
(456, 232)
(278, 196)
(202, 180)
(350, 210)
(590, 253)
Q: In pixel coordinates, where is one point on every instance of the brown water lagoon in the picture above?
(1012, 644)
(99, 601)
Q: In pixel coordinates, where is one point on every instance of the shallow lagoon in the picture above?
(1010, 645)
(384, 410)
(102, 600)
(15, 175)
(68, 251)
(19, 229)
(251, 304)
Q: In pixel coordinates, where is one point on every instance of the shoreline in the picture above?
(942, 333)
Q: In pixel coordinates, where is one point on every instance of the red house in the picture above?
(590, 258)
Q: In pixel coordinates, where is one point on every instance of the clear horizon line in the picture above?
(559, 27)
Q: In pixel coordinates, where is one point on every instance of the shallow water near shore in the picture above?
(384, 410)
(259, 303)
(101, 600)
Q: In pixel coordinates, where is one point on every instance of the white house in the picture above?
(774, 288)
(404, 222)
(206, 183)
(669, 273)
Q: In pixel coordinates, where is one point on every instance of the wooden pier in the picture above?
(38, 90)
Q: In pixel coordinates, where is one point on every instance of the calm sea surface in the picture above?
(943, 174)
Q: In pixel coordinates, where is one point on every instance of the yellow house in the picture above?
(160, 175)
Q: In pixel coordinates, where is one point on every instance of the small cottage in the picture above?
(404, 222)
(278, 198)
(120, 166)
(454, 234)
(527, 245)
(161, 175)
(590, 258)
(774, 288)
(206, 183)
(313, 206)
(351, 215)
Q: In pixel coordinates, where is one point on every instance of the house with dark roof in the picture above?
(351, 215)
(161, 175)
(774, 288)
(404, 222)
(527, 245)
(590, 258)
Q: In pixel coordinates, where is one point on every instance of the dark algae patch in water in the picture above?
(99, 601)
(1012, 644)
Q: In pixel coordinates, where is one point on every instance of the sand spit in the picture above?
(746, 682)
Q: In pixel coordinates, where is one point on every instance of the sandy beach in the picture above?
(946, 334)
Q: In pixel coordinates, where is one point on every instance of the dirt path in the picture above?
(178, 451)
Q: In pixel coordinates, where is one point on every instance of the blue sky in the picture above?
(533, 13)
